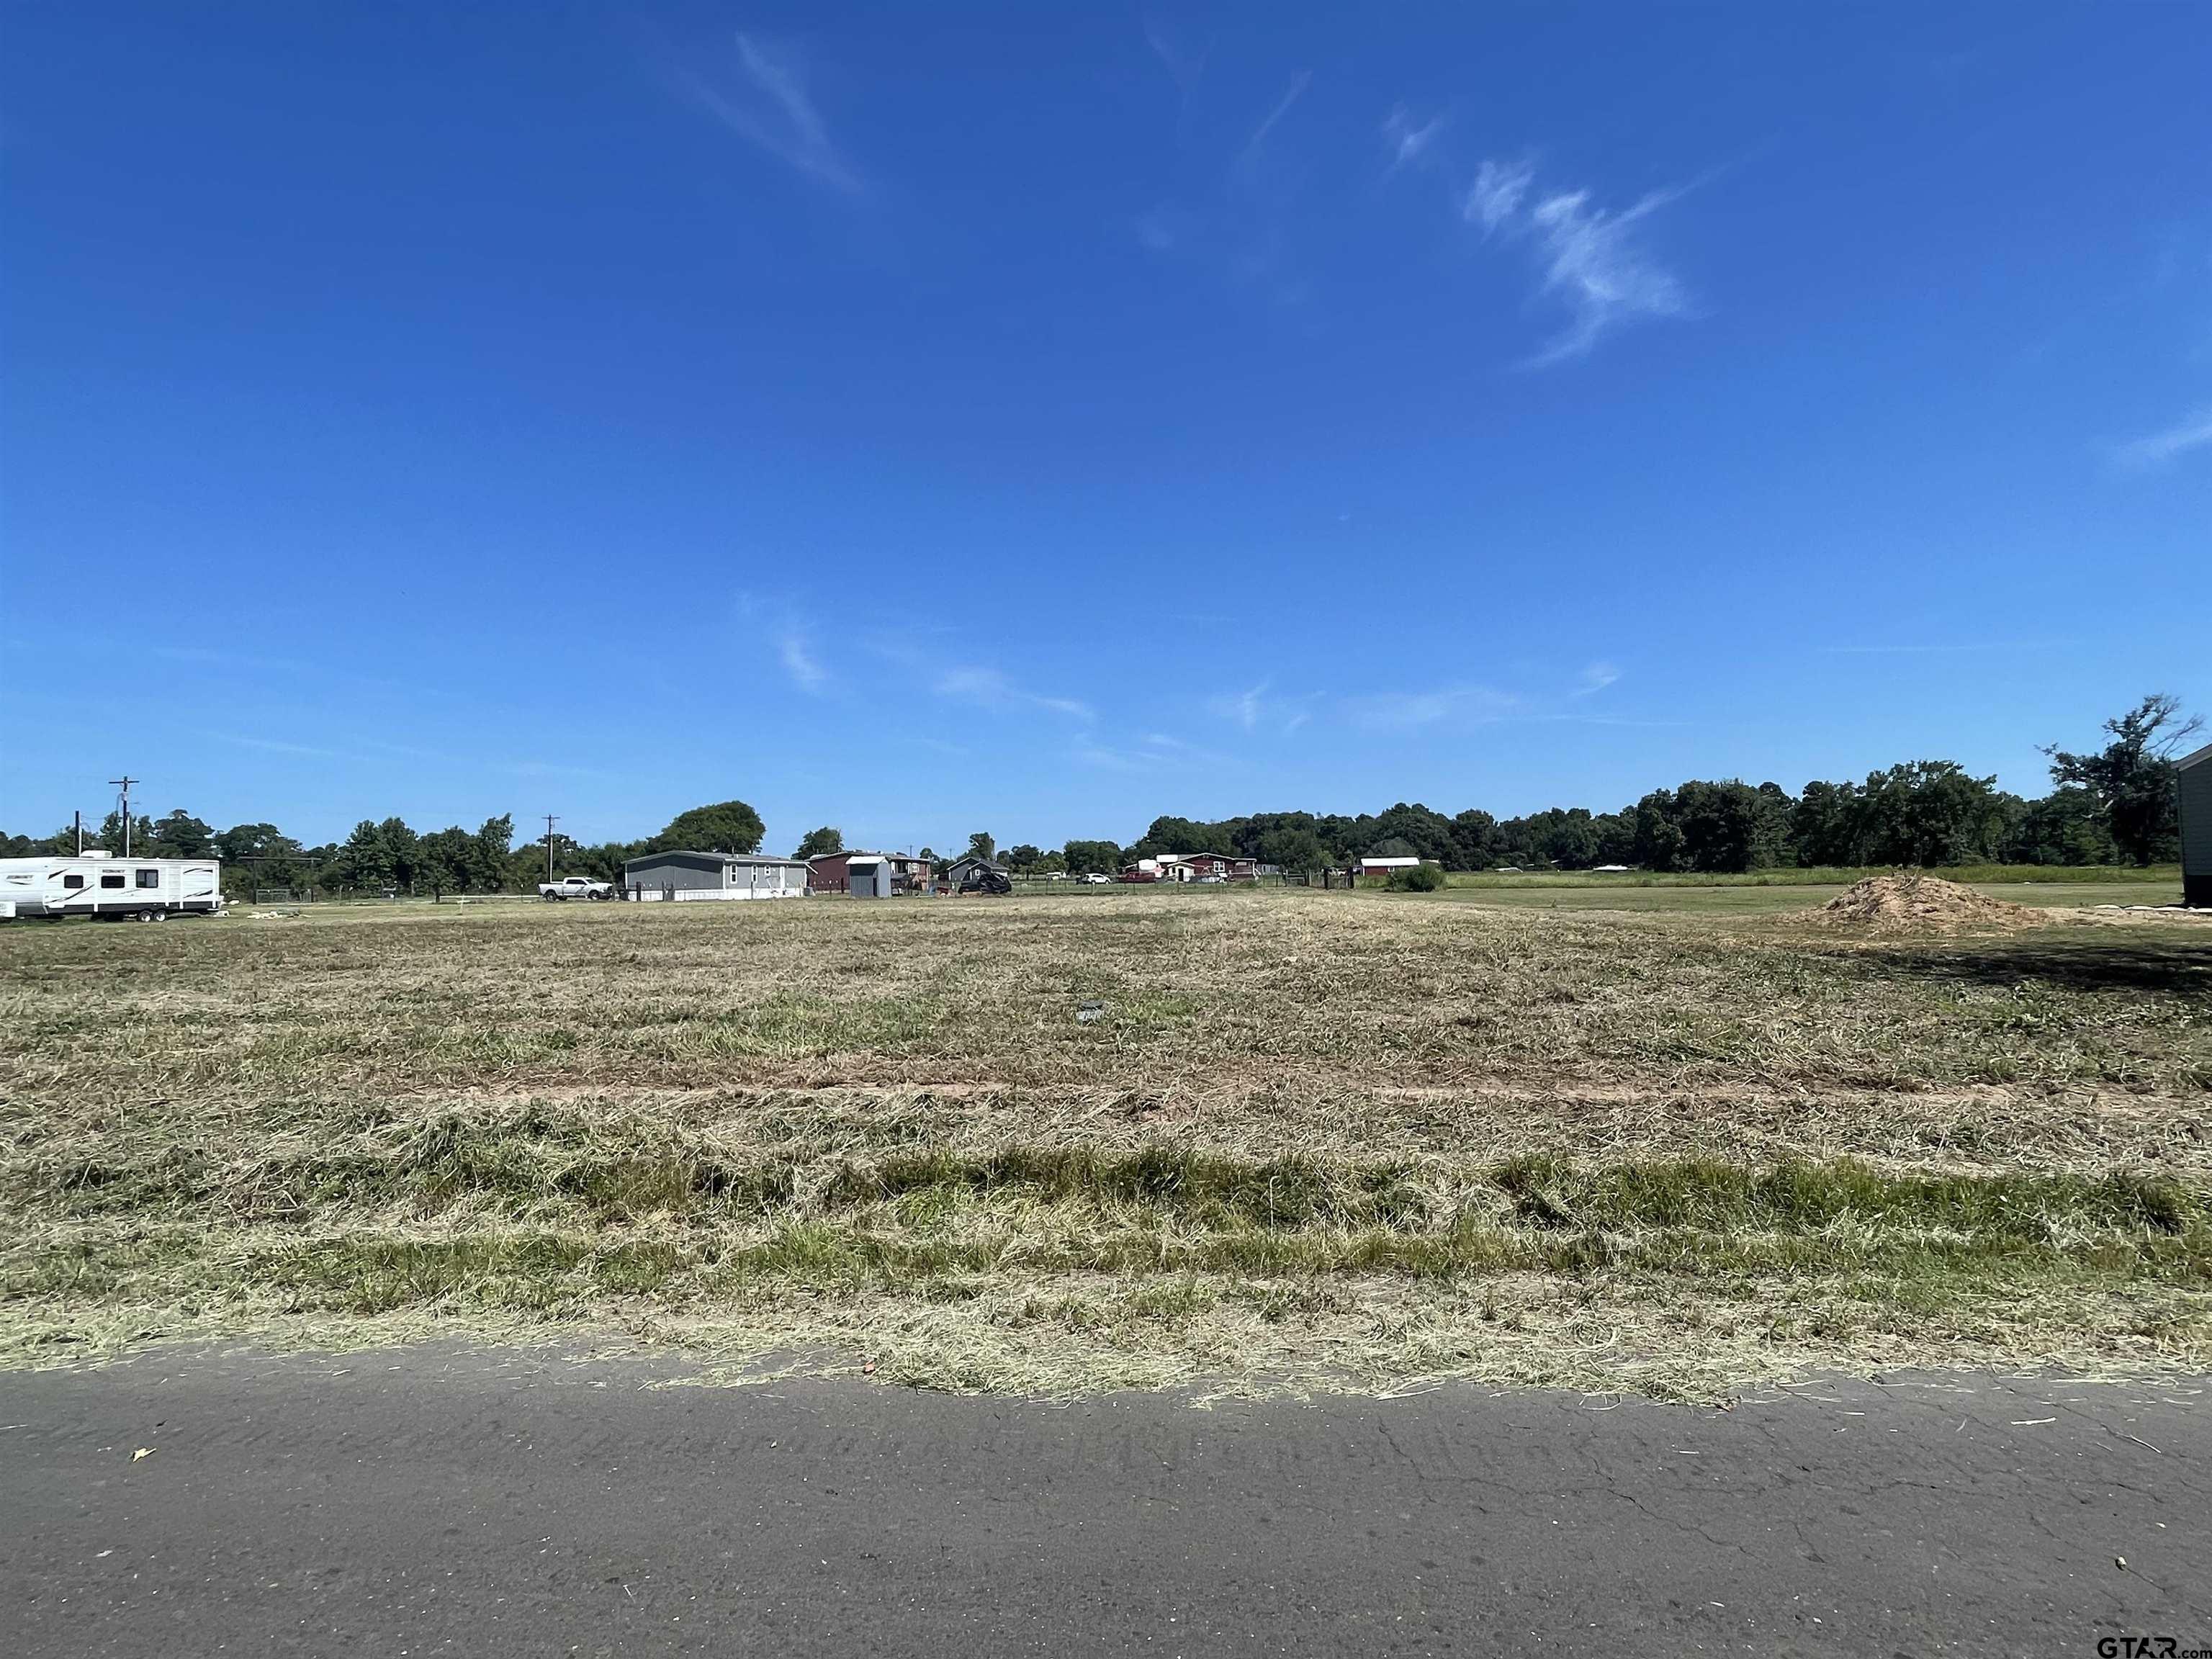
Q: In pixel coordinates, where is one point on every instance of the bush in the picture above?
(1421, 878)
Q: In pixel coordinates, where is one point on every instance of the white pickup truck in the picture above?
(569, 887)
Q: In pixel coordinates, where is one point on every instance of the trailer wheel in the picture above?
(157, 915)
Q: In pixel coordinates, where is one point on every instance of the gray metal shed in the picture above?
(2193, 776)
(868, 875)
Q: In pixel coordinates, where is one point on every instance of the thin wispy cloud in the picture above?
(1165, 228)
(1184, 65)
(799, 662)
(989, 688)
(1155, 751)
(1941, 649)
(1258, 706)
(773, 110)
(1258, 141)
(277, 746)
(1595, 679)
(2159, 447)
(1407, 138)
(1588, 259)
(1388, 710)
(1496, 193)
(1242, 708)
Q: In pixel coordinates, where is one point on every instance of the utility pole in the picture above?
(77, 820)
(125, 781)
(549, 822)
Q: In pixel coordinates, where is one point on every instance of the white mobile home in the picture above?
(101, 884)
(681, 876)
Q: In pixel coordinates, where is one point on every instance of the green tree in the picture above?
(444, 860)
(1092, 857)
(1427, 834)
(181, 835)
(363, 860)
(1724, 826)
(1294, 846)
(487, 858)
(1929, 813)
(1475, 843)
(2067, 826)
(818, 843)
(142, 835)
(1658, 840)
(729, 826)
(1023, 857)
(980, 846)
(401, 851)
(1828, 826)
(2132, 777)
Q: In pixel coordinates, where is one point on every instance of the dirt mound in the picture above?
(1910, 902)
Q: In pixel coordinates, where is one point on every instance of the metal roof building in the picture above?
(2193, 776)
(681, 876)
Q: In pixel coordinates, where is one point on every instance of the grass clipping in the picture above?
(1912, 903)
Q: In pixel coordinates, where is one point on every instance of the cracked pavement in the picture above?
(441, 1500)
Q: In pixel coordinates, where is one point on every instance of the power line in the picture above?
(125, 781)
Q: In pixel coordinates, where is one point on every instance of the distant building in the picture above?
(682, 876)
(975, 873)
(894, 872)
(1380, 869)
(2194, 778)
(1225, 866)
(1191, 867)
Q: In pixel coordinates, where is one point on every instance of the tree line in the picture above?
(2114, 805)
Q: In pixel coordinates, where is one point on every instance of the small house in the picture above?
(679, 875)
(975, 873)
(1215, 866)
(891, 872)
(2193, 778)
(1381, 869)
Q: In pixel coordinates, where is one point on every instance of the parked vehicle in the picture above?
(985, 880)
(1096, 878)
(571, 887)
(114, 888)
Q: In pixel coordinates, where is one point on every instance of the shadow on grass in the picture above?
(2101, 962)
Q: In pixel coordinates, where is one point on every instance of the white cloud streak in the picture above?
(988, 688)
(1588, 259)
(2159, 447)
(1409, 139)
(1388, 710)
(1252, 146)
(1496, 196)
(799, 662)
(1595, 677)
(774, 111)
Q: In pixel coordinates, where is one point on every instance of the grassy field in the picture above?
(1304, 1140)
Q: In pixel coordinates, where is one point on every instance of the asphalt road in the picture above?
(440, 1502)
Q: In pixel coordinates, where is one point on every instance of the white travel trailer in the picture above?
(103, 884)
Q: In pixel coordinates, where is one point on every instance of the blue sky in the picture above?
(924, 419)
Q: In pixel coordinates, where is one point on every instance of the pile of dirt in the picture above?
(1910, 902)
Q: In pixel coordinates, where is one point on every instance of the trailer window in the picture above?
(115, 880)
(72, 883)
(150, 877)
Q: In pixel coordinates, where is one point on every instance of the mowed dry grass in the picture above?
(1314, 1137)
